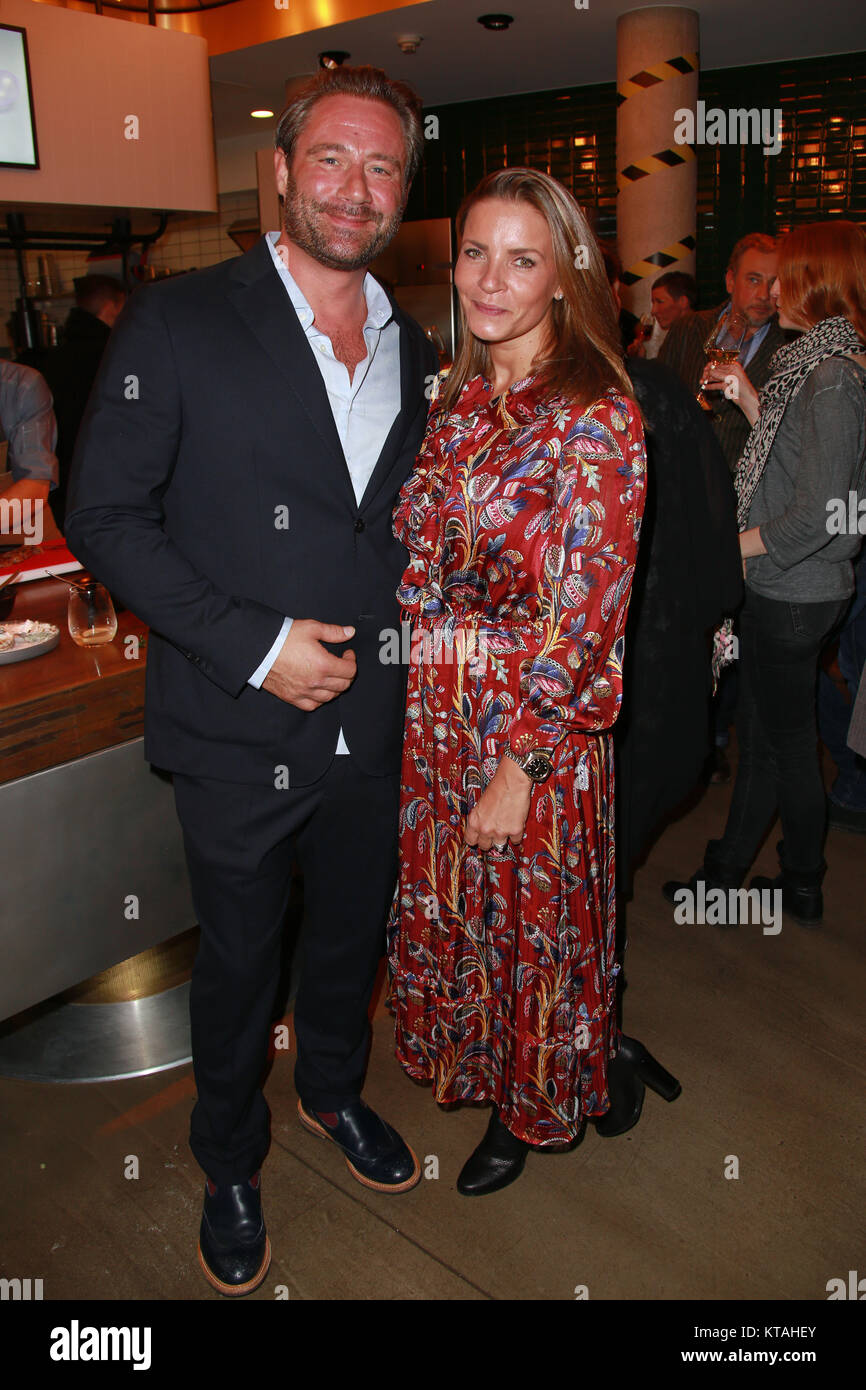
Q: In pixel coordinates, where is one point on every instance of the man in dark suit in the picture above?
(234, 483)
(751, 272)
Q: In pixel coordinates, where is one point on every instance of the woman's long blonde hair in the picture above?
(583, 355)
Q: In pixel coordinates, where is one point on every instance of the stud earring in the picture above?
(557, 296)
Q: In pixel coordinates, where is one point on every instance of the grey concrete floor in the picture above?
(765, 1033)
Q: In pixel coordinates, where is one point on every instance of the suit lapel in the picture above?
(259, 296)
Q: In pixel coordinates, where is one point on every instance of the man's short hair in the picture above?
(371, 83)
(755, 241)
(93, 292)
(678, 284)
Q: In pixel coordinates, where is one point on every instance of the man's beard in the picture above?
(305, 224)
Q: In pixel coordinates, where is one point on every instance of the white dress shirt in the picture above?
(364, 408)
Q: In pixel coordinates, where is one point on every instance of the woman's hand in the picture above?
(500, 813)
(730, 378)
(751, 544)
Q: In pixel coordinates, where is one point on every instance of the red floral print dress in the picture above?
(522, 519)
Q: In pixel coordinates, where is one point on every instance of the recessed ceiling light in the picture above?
(333, 59)
(261, 115)
(496, 21)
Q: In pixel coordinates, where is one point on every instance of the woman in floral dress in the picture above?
(521, 519)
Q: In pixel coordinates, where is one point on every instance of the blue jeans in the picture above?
(834, 711)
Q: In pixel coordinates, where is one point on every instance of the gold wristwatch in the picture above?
(537, 764)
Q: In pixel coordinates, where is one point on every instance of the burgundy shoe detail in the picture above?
(328, 1117)
(211, 1187)
(255, 1180)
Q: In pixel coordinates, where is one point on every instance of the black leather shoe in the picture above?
(628, 1072)
(715, 872)
(233, 1248)
(802, 898)
(497, 1161)
(375, 1154)
(805, 904)
(675, 886)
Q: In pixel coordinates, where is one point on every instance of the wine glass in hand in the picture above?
(642, 332)
(734, 328)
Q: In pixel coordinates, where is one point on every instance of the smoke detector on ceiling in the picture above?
(408, 43)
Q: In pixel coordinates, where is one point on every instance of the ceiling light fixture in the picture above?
(335, 59)
(496, 21)
(409, 43)
(261, 115)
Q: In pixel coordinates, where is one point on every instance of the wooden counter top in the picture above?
(74, 700)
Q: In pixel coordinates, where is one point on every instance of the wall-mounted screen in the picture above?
(17, 126)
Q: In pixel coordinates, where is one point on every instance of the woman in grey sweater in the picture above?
(801, 485)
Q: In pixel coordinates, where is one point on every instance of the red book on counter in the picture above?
(38, 561)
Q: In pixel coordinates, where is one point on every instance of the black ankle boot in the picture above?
(627, 1073)
(497, 1161)
(715, 871)
(802, 897)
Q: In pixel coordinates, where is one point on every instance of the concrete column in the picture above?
(656, 75)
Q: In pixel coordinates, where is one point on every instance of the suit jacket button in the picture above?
(359, 524)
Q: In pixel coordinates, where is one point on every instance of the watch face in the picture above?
(538, 767)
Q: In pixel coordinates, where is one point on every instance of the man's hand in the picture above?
(501, 810)
(304, 673)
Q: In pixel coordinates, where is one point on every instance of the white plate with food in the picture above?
(23, 641)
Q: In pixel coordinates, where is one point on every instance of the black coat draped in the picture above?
(688, 577)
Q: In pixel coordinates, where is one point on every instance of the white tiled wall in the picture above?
(190, 243)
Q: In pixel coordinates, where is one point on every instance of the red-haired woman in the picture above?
(522, 521)
(804, 458)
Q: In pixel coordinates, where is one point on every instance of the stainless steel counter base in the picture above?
(101, 1042)
(93, 872)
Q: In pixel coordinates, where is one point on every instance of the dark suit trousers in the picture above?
(240, 841)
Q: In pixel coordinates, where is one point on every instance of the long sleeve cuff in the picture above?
(260, 673)
(529, 731)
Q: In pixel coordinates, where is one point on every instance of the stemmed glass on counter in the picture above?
(737, 326)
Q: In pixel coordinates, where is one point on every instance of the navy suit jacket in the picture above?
(208, 419)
